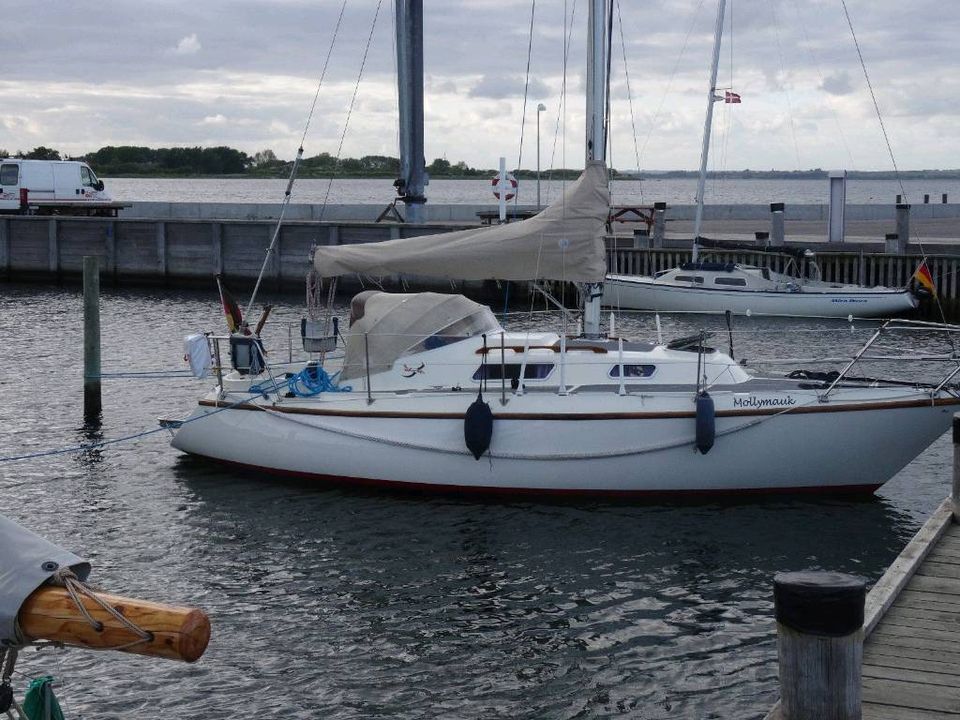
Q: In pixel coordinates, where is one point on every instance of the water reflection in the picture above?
(402, 605)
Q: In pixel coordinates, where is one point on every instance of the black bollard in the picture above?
(820, 644)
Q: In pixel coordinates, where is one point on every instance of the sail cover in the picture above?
(384, 327)
(564, 242)
(27, 561)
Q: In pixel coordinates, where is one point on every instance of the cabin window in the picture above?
(511, 371)
(633, 371)
(765, 273)
(9, 174)
(87, 178)
(689, 278)
(729, 281)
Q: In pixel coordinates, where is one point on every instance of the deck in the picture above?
(911, 664)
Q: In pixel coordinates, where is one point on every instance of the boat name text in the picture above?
(755, 402)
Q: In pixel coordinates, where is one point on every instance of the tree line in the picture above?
(135, 161)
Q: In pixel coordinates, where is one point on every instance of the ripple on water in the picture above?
(336, 604)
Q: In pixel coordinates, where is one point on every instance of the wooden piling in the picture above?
(659, 223)
(819, 644)
(91, 337)
(903, 225)
(776, 224)
(955, 494)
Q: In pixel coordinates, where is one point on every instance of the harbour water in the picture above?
(380, 191)
(334, 603)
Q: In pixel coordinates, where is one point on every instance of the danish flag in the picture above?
(731, 97)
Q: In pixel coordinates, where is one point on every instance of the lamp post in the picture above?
(540, 108)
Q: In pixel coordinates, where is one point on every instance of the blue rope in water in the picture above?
(84, 447)
(310, 381)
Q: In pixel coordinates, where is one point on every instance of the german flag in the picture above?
(230, 308)
(924, 278)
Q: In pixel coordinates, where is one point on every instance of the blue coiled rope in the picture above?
(310, 381)
(314, 380)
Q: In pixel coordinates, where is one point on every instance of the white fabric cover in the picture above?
(563, 242)
(391, 325)
(196, 351)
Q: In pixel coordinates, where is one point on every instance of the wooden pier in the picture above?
(911, 664)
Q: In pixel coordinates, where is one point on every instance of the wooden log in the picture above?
(178, 633)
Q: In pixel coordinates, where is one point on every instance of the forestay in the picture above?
(564, 242)
(27, 561)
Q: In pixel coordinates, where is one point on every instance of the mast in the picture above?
(705, 150)
(413, 179)
(596, 140)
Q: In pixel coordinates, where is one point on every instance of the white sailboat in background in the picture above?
(401, 401)
(712, 287)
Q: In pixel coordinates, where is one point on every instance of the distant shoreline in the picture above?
(572, 174)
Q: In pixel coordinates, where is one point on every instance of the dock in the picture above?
(911, 667)
(911, 627)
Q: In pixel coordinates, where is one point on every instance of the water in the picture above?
(341, 604)
(452, 192)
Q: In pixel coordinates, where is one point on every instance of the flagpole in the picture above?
(705, 150)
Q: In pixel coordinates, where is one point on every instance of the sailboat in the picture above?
(718, 287)
(429, 391)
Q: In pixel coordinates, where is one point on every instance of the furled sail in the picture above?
(27, 561)
(564, 242)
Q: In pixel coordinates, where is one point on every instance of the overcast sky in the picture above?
(77, 76)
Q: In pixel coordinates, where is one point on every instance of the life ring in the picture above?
(511, 181)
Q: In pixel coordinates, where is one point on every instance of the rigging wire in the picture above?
(816, 64)
(633, 119)
(288, 194)
(673, 75)
(560, 127)
(353, 100)
(786, 88)
(526, 90)
(396, 86)
(886, 139)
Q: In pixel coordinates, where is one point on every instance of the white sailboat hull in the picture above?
(645, 293)
(630, 444)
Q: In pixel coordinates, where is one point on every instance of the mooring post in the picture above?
(820, 644)
(776, 224)
(955, 495)
(659, 223)
(903, 226)
(641, 239)
(91, 337)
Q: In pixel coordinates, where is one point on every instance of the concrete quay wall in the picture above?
(467, 214)
(175, 251)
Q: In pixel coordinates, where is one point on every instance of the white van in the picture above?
(51, 187)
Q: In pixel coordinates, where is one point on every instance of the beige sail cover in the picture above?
(564, 242)
(385, 327)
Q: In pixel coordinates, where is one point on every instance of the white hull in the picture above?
(645, 293)
(619, 444)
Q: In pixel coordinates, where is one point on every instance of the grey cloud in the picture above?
(82, 82)
(500, 87)
(838, 84)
